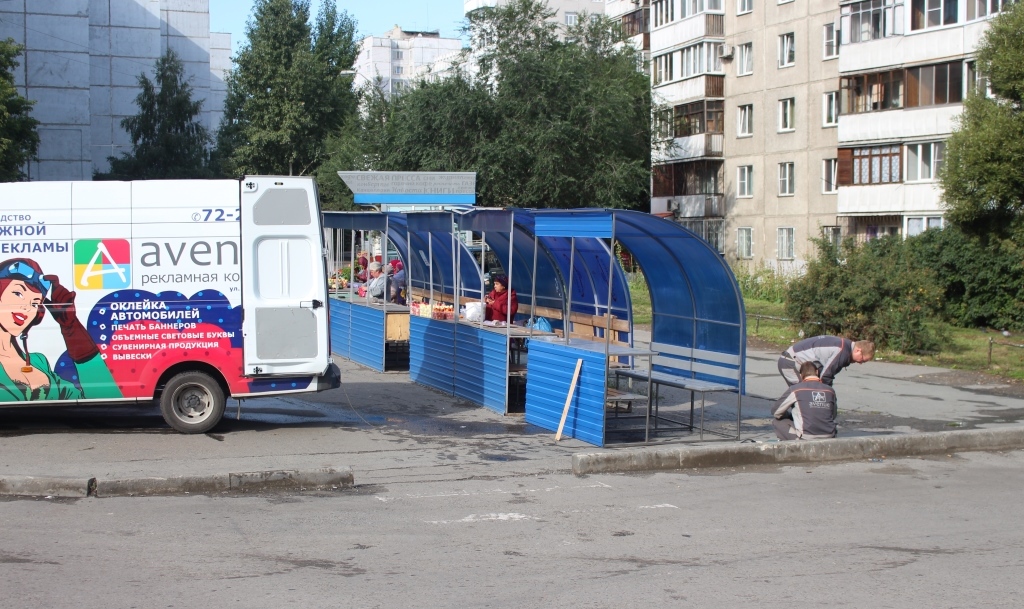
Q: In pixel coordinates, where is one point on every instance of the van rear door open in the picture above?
(283, 278)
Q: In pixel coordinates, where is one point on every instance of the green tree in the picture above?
(982, 179)
(18, 138)
(169, 140)
(544, 121)
(873, 291)
(286, 94)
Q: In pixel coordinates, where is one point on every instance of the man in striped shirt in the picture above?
(830, 354)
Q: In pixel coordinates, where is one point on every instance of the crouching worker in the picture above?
(807, 411)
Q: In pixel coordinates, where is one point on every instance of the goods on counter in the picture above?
(444, 311)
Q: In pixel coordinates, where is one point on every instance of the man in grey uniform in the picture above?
(807, 411)
(830, 354)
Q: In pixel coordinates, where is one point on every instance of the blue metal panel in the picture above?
(431, 361)
(549, 372)
(597, 223)
(368, 337)
(481, 367)
(341, 317)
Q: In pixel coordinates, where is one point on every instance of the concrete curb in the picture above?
(313, 479)
(44, 486)
(815, 451)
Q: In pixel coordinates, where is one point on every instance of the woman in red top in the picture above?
(502, 303)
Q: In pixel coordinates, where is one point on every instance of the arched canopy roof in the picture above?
(391, 224)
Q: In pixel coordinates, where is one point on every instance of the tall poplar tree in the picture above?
(287, 92)
(19, 140)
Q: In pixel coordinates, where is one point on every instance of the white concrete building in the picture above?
(81, 66)
(399, 57)
(567, 12)
(905, 68)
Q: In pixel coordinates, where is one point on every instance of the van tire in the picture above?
(192, 402)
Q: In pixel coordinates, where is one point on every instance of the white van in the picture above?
(183, 292)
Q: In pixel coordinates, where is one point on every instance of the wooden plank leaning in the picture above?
(568, 399)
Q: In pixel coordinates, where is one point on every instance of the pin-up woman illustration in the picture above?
(28, 376)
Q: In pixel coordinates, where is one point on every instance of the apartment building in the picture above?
(905, 68)
(781, 129)
(81, 65)
(399, 57)
(567, 12)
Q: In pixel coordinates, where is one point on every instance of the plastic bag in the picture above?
(474, 311)
(541, 324)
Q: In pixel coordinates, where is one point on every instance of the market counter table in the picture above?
(372, 333)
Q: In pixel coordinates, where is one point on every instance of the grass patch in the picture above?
(641, 299)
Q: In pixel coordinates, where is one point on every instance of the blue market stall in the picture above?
(698, 335)
(370, 331)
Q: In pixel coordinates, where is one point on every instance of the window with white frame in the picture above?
(918, 224)
(831, 42)
(745, 181)
(664, 11)
(787, 183)
(787, 114)
(829, 173)
(688, 8)
(745, 242)
(924, 160)
(745, 120)
(744, 6)
(786, 242)
(701, 59)
(398, 70)
(571, 18)
(397, 55)
(663, 68)
(871, 20)
(933, 13)
(787, 50)
(745, 62)
(830, 109)
(977, 9)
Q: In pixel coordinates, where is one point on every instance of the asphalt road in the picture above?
(938, 532)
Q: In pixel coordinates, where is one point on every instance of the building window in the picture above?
(831, 42)
(663, 68)
(397, 55)
(745, 64)
(874, 165)
(663, 125)
(701, 59)
(745, 121)
(785, 244)
(918, 224)
(745, 242)
(935, 85)
(787, 50)
(633, 24)
(834, 235)
(924, 160)
(398, 70)
(871, 20)
(688, 8)
(932, 13)
(830, 109)
(787, 114)
(664, 12)
(570, 18)
(744, 6)
(976, 81)
(976, 9)
(787, 183)
(829, 171)
(872, 92)
(698, 117)
(745, 181)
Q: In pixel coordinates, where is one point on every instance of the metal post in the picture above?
(990, 342)
(566, 322)
(757, 324)
(533, 286)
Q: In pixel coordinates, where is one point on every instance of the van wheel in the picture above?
(192, 402)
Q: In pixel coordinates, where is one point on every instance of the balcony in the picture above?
(895, 125)
(690, 89)
(912, 47)
(889, 199)
(697, 206)
(676, 34)
(702, 145)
